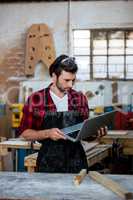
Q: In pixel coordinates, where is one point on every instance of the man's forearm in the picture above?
(30, 134)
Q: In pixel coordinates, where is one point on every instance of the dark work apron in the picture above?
(61, 156)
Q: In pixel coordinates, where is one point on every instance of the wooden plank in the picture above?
(18, 144)
(2, 139)
(3, 151)
(79, 178)
(128, 143)
(97, 155)
(122, 132)
(30, 162)
(87, 146)
(128, 151)
(110, 184)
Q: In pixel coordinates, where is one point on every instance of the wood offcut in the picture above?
(79, 178)
(112, 185)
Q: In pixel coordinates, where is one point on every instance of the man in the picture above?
(51, 109)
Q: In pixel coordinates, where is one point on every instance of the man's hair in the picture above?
(63, 62)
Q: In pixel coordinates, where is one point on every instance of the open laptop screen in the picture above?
(90, 126)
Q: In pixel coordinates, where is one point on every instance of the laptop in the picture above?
(89, 127)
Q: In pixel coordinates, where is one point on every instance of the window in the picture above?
(104, 54)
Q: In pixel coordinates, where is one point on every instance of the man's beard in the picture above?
(60, 88)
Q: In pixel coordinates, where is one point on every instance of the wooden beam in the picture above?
(110, 184)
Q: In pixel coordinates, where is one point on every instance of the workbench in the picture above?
(44, 186)
(94, 155)
(17, 144)
(126, 140)
(13, 144)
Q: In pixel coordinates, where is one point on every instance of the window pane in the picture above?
(83, 67)
(116, 42)
(99, 43)
(82, 51)
(100, 52)
(129, 67)
(99, 35)
(116, 51)
(116, 47)
(100, 47)
(130, 43)
(116, 35)
(129, 46)
(116, 66)
(81, 34)
(100, 66)
(129, 59)
(129, 50)
(81, 42)
(129, 35)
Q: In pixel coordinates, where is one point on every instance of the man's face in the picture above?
(65, 81)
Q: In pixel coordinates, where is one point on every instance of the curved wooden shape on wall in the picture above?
(39, 47)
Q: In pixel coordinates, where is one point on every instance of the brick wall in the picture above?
(12, 62)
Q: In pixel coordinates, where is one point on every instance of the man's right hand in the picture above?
(55, 134)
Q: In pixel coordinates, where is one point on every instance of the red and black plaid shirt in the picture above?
(35, 108)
